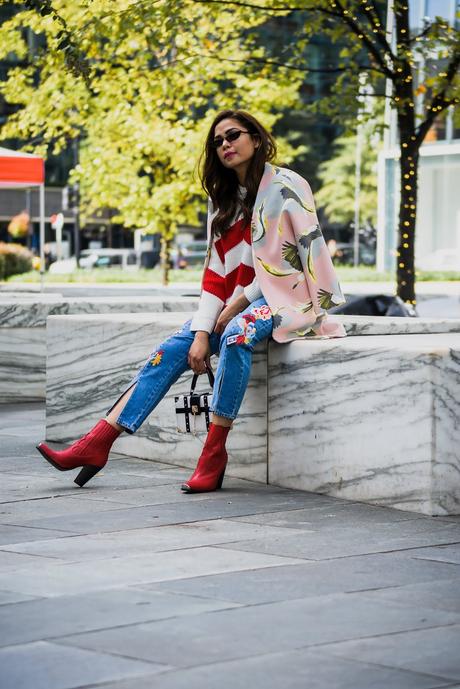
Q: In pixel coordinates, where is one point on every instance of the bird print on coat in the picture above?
(291, 259)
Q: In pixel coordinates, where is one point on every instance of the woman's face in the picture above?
(235, 155)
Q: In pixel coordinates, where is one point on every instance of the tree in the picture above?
(418, 97)
(337, 192)
(138, 84)
(204, 33)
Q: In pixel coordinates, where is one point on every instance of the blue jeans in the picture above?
(170, 359)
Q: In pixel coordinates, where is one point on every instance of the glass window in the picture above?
(440, 8)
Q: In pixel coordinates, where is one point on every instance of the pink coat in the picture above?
(291, 260)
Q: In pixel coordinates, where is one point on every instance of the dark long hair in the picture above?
(221, 184)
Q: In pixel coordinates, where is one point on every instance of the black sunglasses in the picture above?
(230, 136)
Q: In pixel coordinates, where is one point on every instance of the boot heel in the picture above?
(86, 474)
(220, 481)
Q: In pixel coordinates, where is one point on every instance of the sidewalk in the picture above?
(129, 584)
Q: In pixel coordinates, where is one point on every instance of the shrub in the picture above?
(14, 259)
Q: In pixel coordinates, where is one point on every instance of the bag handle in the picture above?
(195, 379)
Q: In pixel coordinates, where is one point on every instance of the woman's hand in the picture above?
(199, 352)
(233, 309)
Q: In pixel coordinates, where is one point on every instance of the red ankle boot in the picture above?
(90, 452)
(210, 470)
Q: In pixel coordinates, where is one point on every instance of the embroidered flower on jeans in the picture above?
(156, 357)
(262, 312)
(248, 329)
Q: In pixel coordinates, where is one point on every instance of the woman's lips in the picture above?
(228, 155)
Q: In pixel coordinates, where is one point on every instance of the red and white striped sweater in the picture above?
(229, 273)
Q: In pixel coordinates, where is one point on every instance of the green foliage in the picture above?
(337, 192)
(14, 259)
(191, 275)
(157, 78)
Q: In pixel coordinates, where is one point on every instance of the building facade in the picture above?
(437, 242)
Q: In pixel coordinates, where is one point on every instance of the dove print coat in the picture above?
(291, 260)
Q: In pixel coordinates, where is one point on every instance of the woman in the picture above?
(267, 271)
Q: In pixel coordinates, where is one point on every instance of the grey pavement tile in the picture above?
(303, 669)
(148, 495)
(23, 511)
(7, 597)
(23, 464)
(431, 651)
(39, 484)
(10, 535)
(129, 462)
(359, 573)
(221, 504)
(18, 444)
(43, 665)
(444, 594)
(74, 578)
(441, 553)
(332, 541)
(334, 513)
(260, 629)
(12, 562)
(53, 618)
(166, 489)
(137, 541)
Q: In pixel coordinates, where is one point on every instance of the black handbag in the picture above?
(192, 411)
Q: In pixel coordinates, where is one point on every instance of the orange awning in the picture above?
(19, 169)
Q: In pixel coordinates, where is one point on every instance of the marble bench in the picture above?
(371, 417)
(23, 337)
(374, 419)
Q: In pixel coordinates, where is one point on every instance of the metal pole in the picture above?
(76, 205)
(359, 145)
(41, 204)
(30, 225)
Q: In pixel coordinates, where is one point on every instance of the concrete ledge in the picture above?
(373, 419)
(23, 336)
(367, 418)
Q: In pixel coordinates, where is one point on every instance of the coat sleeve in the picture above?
(315, 259)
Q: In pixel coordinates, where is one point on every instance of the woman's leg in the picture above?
(162, 368)
(115, 412)
(237, 343)
(236, 346)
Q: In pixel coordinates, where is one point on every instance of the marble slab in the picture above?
(27, 313)
(91, 359)
(22, 364)
(23, 336)
(396, 325)
(373, 419)
(32, 311)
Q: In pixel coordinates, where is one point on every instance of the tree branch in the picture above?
(376, 23)
(356, 28)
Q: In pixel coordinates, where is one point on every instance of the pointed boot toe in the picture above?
(90, 452)
(210, 470)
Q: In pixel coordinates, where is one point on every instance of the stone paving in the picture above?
(129, 584)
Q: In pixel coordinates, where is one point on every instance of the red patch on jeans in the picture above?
(249, 318)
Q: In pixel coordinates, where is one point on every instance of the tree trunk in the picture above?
(165, 256)
(405, 253)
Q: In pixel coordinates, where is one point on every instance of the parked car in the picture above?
(109, 258)
(188, 254)
(344, 254)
